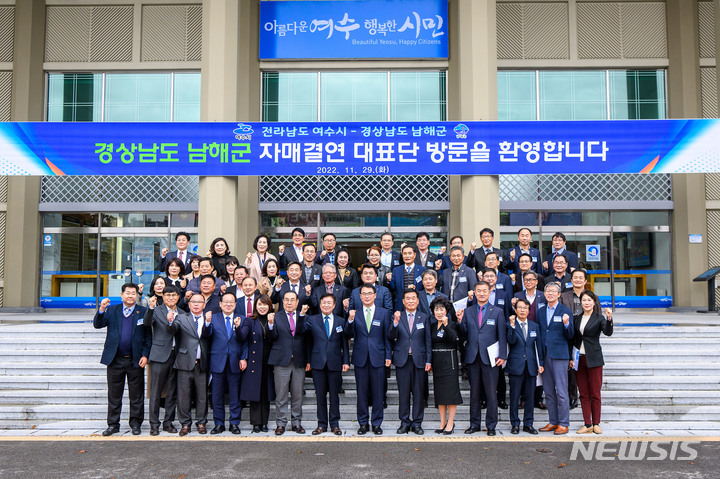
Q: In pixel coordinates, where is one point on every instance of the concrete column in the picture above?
(230, 92)
(472, 96)
(684, 88)
(22, 227)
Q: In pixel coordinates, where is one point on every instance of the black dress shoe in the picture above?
(264, 428)
(319, 430)
(541, 405)
(447, 433)
(280, 430)
(418, 430)
(472, 430)
(170, 428)
(154, 430)
(522, 404)
(111, 430)
(377, 430)
(384, 403)
(515, 430)
(483, 404)
(403, 429)
(337, 431)
(135, 430)
(502, 405)
(491, 432)
(530, 430)
(217, 429)
(573, 403)
(298, 429)
(439, 430)
(234, 428)
(362, 430)
(256, 429)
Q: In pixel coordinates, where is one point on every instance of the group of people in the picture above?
(212, 325)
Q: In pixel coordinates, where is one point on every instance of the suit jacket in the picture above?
(396, 285)
(255, 267)
(504, 283)
(277, 296)
(556, 337)
(162, 262)
(396, 259)
(572, 260)
(503, 301)
(418, 339)
(286, 347)
(323, 260)
(565, 282)
(351, 280)
(315, 277)
(241, 306)
(479, 338)
(162, 339)
(141, 338)
(194, 285)
(331, 352)
(429, 261)
(448, 264)
(373, 345)
(518, 286)
(465, 282)
(538, 303)
(188, 340)
(424, 306)
(340, 292)
(515, 266)
(222, 347)
(289, 256)
(591, 337)
(522, 352)
(383, 298)
(476, 259)
(567, 299)
(213, 304)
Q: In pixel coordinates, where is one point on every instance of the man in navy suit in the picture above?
(502, 300)
(329, 358)
(311, 272)
(424, 257)
(207, 290)
(524, 239)
(182, 241)
(246, 302)
(483, 325)
(476, 258)
(127, 347)
(329, 251)
(371, 355)
(412, 356)
(293, 253)
(560, 274)
(454, 241)
(228, 359)
(458, 280)
(409, 275)
(383, 298)
(429, 292)
(388, 257)
(503, 281)
(293, 283)
(557, 333)
(559, 247)
(329, 273)
(525, 361)
(288, 356)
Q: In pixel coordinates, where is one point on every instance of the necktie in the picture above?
(409, 270)
(180, 256)
(127, 311)
(523, 325)
(293, 287)
(228, 326)
(327, 326)
(453, 284)
(368, 319)
(197, 325)
(480, 316)
(411, 320)
(291, 320)
(248, 308)
(328, 288)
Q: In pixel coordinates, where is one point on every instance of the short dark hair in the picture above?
(560, 256)
(559, 235)
(409, 291)
(232, 295)
(368, 285)
(329, 234)
(265, 266)
(525, 254)
(129, 285)
(170, 289)
(309, 244)
(250, 277)
(216, 241)
(455, 237)
(421, 234)
(328, 295)
(296, 263)
(387, 233)
(487, 230)
(524, 228)
(178, 263)
(579, 270)
(445, 303)
(299, 230)
(482, 283)
(261, 235)
(206, 258)
(457, 248)
(182, 233)
(365, 266)
(406, 247)
(491, 253)
(203, 276)
(489, 270)
(241, 267)
(523, 300)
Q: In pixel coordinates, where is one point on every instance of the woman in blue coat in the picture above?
(257, 385)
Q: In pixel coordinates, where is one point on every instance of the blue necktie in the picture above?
(228, 325)
(327, 326)
(127, 311)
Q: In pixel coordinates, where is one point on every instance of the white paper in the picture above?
(460, 304)
(537, 361)
(576, 358)
(494, 353)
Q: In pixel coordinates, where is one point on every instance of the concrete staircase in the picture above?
(655, 377)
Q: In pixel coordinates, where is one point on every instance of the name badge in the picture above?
(420, 325)
(533, 334)
(499, 258)
(557, 319)
(418, 279)
(140, 321)
(338, 329)
(316, 277)
(568, 285)
(500, 286)
(396, 262)
(440, 334)
(376, 323)
(540, 305)
(490, 322)
(430, 264)
(534, 259)
(501, 302)
(462, 279)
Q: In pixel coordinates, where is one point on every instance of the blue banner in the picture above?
(353, 29)
(432, 148)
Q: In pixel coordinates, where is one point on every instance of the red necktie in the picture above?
(480, 316)
(248, 309)
(180, 256)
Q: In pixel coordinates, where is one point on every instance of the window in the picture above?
(354, 96)
(581, 95)
(123, 97)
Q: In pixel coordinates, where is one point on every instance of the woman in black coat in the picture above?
(588, 326)
(257, 385)
(346, 275)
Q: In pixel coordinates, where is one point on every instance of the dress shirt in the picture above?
(386, 259)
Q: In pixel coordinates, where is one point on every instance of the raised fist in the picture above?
(281, 248)
(104, 304)
(473, 245)
(163, 252)
(208, 316)
(152, 302)
(351, 316)
(396, 319)
(271, 318)
(304, 309)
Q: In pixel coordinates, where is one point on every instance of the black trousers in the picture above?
(163, 376)
(523, 383)
(411, 380)
(260, 410)
(501, 389)
(327, 381)
(482, 375)
(119, 369)
(185, 382)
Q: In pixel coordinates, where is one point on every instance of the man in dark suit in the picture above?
(192, 363)
(329, 273)
(289, 356)
(372, 353)
(228, 359)
(163, 375)
(246, 302)
(458, 280)
(503, 282)
(206, 269)
(560, 274)
(207, 290)
(388, 257)
(524, 239)
(454, 241)
(412, 356)
(182, 241)
(525, 362)
(294, 284)
(476, 258)
(383, 298)
(127, 347)
(311, 271)
(557, 333)
(329, 251)
(424, 257)
(525, 263)
(483, 325)
(498, 297)
(429, 292)
(559, 247)
(293, 253)
(329, 358)
(409, 275)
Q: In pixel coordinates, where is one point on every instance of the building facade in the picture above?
(134, 60)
